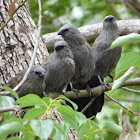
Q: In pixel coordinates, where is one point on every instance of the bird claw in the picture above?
(89, 90)
(75, 90)
(105, 85)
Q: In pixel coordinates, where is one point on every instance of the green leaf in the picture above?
(6, 101)
(68, 115)
(126, 39)
(10, 128)
(117, 83)
(62, 130)
(90, 131)
(65, 98)
(126, 61)
(33, 113)
(30, 100)
(81, 118)
(28, 97)
(47, 100)
(11, 91)
(112, 127)
(42, 128)
(13, 120)
(29, 134)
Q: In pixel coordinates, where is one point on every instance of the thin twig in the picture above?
(35, 49)
(20, 5)
(123, 100)
(131, 90)
(11, 108)
(88, 105)
(5, 93)
(134, 113)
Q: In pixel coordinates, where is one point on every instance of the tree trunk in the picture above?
(17, 42)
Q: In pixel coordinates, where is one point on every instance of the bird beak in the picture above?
(42, 74)
(60, 32)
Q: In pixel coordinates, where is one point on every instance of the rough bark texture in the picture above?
(92, 31)
(17, 42)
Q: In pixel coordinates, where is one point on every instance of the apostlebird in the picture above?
(59, 67)
(105, 59)
(34, 84)
(83, 56)
(84, 63)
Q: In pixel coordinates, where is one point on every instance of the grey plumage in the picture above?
(59, 67)
(106, 59)
(84, 63)
(34, 84)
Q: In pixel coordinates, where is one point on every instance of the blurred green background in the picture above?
(84, 12)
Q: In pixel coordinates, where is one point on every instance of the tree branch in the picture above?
(121, 105)
(131, 90)
(11, 108)
(92, 31)
(88, 105)
(97, 91)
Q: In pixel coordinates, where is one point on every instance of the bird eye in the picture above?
(66, 29)
(37, 72)
(62, 46)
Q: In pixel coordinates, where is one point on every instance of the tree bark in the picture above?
(92, 31)
(17, 42)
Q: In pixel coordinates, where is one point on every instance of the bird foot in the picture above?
(76, 91)
(89, 90)
(105, 85)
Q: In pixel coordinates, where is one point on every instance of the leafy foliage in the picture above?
(33, 123)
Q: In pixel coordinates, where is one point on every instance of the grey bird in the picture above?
(105, 59)
(82, 52)
(34, 84)
(59, 67)
(84, 63)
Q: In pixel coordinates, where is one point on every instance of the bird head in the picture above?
(38, 71)
(71, 34)
(62, 49)
(109, 23)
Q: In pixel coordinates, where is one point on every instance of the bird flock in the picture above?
(76, 65)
